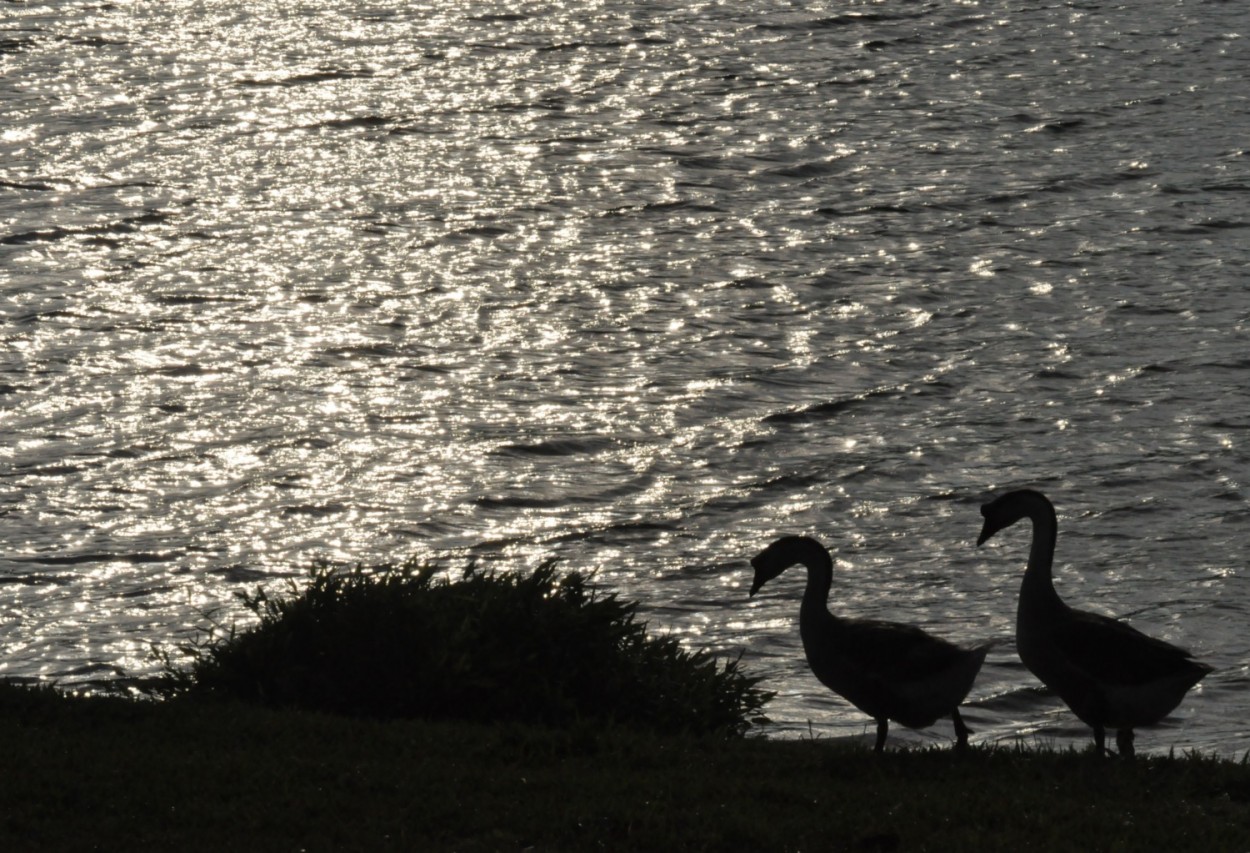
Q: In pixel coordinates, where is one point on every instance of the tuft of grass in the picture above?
(407, 642)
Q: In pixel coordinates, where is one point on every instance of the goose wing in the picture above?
(893, 651)
(1115, 652)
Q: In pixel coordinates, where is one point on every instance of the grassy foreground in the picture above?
(114, 774)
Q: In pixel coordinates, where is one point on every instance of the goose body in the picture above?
(888, 670)
(1110, 674)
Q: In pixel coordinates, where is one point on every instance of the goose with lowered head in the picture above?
(1110, 674)
(888, 670)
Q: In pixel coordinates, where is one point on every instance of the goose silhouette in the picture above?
(1110, 674)
(888, 670)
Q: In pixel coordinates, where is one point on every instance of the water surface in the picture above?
(640, 286)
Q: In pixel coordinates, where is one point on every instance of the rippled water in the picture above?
(639, 285)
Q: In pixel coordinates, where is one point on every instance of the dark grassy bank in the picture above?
(114, 774)
(397, 709)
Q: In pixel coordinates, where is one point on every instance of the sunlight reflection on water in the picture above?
(636, 286)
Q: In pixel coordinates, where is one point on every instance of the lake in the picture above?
(641, 286)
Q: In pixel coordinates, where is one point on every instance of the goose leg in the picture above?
(883, 726)
(1124, 740)
(961, 730)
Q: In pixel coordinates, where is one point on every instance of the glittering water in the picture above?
(639, 285)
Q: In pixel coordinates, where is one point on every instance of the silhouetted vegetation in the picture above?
(407, 642)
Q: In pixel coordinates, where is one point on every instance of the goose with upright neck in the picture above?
(1110, 674)
(888, 670)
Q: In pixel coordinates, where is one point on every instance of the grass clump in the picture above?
(406, 642)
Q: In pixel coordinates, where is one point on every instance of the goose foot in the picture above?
(883, 726)
(1100, 742)
(1124, 740)
(961, 731)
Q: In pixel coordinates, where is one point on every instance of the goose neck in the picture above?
(1038, 585)
(819, 579)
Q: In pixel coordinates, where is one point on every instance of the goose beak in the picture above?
(759, 579)
(987, 530)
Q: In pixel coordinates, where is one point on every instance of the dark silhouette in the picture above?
(887, 670)
(412, 641)
(1109, 674)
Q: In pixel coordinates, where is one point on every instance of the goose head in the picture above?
(778, 557)
(996, 518)
(1006, 510)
